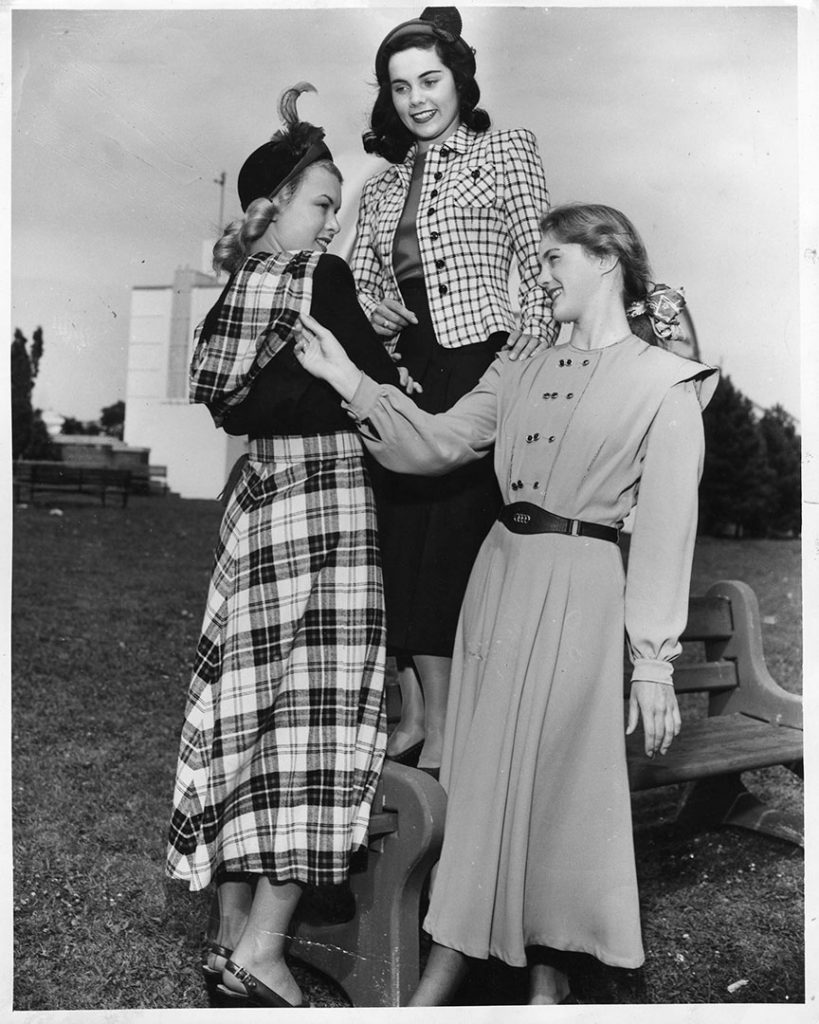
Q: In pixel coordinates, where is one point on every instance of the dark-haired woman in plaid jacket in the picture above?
(438, 233)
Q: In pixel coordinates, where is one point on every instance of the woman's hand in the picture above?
(656, 704)
(390, 317)
(319, 352)
(407, 383)
(522, 346)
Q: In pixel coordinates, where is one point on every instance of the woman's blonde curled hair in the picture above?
(232, 248)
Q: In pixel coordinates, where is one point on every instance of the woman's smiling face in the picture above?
(424, 95)
(309, 221)
(570, 276)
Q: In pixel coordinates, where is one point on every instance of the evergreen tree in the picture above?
(737, 492)
(27, 427)
(22, 383)
(112, 419)
(784, 452)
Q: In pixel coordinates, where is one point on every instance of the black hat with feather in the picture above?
(270, 167)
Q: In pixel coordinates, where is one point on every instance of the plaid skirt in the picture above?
(284, 733)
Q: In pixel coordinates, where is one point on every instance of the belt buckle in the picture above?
(574, 527)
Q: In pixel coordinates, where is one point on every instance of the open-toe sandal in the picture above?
(218, 996)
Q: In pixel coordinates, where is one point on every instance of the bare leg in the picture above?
(547, 985)
(433, 672)
(445, 971)
(410, 728)
(234, 899)
(260, 949)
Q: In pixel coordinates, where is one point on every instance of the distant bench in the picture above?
(34, 476)
(149, 479)
(752, 723)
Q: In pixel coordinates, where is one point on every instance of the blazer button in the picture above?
(434, 236)
(431, 211)
(554, 394)
(433, 194)
(546, 394)
(439, 264)
(562, 362)
(443, 289)
(445, 152)
(570, 394)
(551, 438)
(438, 175)
(585, 362)
(476, 174)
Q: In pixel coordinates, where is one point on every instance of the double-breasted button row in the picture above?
(568, 362)
(530, 438)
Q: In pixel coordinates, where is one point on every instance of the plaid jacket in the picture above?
(252, 320)
(482, 197)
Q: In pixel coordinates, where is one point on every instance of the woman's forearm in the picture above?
(345, 379)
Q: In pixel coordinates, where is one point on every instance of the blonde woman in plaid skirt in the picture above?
(438, 233)
(284, 734)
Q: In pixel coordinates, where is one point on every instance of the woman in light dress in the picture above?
(538, 855)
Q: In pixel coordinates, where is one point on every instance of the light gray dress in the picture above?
(538, 843)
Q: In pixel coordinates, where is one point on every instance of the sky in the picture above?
(683, 117)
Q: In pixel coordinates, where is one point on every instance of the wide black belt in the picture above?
(524, 517)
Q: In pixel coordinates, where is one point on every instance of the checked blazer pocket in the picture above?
(475, 186)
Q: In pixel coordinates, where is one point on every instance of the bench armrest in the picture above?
(758, 695)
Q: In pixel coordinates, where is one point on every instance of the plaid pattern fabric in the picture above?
(482, 197)
(252, 320)
(284, 732)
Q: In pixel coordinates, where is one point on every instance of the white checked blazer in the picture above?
(482, 197)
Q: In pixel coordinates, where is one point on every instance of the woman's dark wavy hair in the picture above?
(604, 231)
(387, 136)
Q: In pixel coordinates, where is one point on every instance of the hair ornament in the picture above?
(663, 306)
(437, 23)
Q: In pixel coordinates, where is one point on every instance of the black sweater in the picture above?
(284, 398)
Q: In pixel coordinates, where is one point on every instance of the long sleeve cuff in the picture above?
(364, 400)
(367, 303)
(653, 670)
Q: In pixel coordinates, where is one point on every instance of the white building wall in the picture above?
(181, 436)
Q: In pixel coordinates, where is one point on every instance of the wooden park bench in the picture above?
(147, 479)
(751, 723)
(32, 476)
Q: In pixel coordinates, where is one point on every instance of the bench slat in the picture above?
(705, 676)
(713, 746)
(699, 677)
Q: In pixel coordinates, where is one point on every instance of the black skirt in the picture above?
(431, 528)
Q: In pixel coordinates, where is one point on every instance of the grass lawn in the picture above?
(107, 605)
